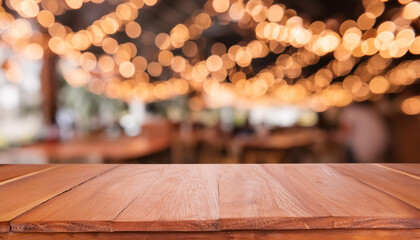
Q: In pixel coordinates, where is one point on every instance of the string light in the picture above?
(275, 28)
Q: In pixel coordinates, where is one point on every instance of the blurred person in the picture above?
(364, 133)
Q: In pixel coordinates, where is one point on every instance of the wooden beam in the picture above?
(360, 234)
(49, 87)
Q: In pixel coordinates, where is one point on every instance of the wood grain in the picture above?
(331, 234)
(352, 203)
(19, 196)
(10, 172)
(305, 196)
(132, 198)
(359, 201)
(412, 169)
(251, 198)
(183, 198)
(398, 185)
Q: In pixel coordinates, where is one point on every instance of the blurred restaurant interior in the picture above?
(209, 81)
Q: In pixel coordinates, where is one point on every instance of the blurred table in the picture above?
(209, 144)
(285, 140)
(324, 201)
(95, 148)
(101, 149)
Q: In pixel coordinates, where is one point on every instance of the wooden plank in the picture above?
(331, 234)
(398, 185)
(352, 203)
(12, 171)
(187, 199)
(412, 169)
(132, 198)
(19, 196)
(251, 198)
(91, 206)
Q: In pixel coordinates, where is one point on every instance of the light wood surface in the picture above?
(359, 201)
(394, 183)
(132, 198)
(10, 172)
(410, 168)
(351, 202)
(17, 197)
(251, 198)
(308, 196)
(181, 198)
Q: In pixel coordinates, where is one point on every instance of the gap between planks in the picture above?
(27, 175)
(10, 225)
(398, 171)
(371, 186)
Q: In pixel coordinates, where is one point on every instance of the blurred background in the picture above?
(216, 81)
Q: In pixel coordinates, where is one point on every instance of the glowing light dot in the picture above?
(275, 13)
(415, 46)
(74, 4)
(379, 85)
(154, 69)
(34, 51)
(29, 8)
(366, 21)
(259, 13)
(165, 57)
(150, 2)
(178, 64)
(110, 45)
(411, 106)
(220, 5)
(106, 63)
(133, 29)
(127, 69)
(45, 18)
(163, 41)
(214, 63)
(411, 10)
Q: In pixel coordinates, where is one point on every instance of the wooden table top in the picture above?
(208, 198)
